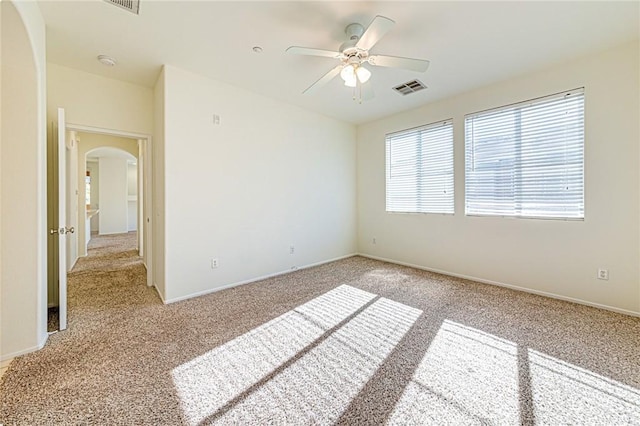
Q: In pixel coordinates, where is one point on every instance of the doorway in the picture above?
(108, 201)
(96, 142)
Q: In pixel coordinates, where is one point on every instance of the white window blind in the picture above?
(419, 169)
(527, 160)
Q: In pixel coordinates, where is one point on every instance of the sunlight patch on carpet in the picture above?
(319, 386)
(208, 382)
(386, 275)
(467, 376)
(567, 394)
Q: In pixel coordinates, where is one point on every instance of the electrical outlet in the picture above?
(214, 263)
(292, 249)
(603, 274)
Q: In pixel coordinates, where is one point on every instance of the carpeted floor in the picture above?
(351, 342)
(53, 319)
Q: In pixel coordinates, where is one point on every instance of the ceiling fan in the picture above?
(354, 53)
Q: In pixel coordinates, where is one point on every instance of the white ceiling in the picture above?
(469, 44)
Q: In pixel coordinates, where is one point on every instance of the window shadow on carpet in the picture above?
(350, 356)
(304, 366)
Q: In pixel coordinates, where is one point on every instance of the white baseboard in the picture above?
(150, 282)
(73, 265)
(511, 286)
(155, 287)
(252, 280)
(7, 357)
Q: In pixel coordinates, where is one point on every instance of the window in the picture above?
(420, 169)
(527, 160)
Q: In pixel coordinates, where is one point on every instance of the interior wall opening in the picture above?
(104, 187)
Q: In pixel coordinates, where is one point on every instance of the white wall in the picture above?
(556, 257)
(23, 277)
(268, 176)
(92, 100)
(113, 214)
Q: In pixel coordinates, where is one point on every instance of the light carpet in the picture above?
(351, 342)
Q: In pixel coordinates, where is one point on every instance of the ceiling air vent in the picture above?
(132, 6)
(410, 87)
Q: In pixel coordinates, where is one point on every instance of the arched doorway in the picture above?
(110, 191)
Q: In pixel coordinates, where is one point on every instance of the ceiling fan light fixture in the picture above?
(348, 73)
(363, 74)
(351, 74)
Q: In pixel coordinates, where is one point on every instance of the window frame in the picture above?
(519, 105)
(423, 127)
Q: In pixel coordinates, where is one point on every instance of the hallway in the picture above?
(111, 277)
(112, 253)
(110, 259)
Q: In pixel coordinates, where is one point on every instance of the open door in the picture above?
(56, 220)
(62, 217)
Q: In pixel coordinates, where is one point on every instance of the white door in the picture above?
(62, 218)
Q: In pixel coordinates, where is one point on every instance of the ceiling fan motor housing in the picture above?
(354, 31)
(352, 54)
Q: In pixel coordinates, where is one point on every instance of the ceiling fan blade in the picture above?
(367, 91)
(376, 30)
(323, 80)
(296, 50)
(412, 64)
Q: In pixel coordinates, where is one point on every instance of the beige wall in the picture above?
(23, 277)
(268, 176)
(92, 100)
(553, 257)
(90, 141)
(132, 196)
(1, 193)
(94, 170)
(156, 256)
